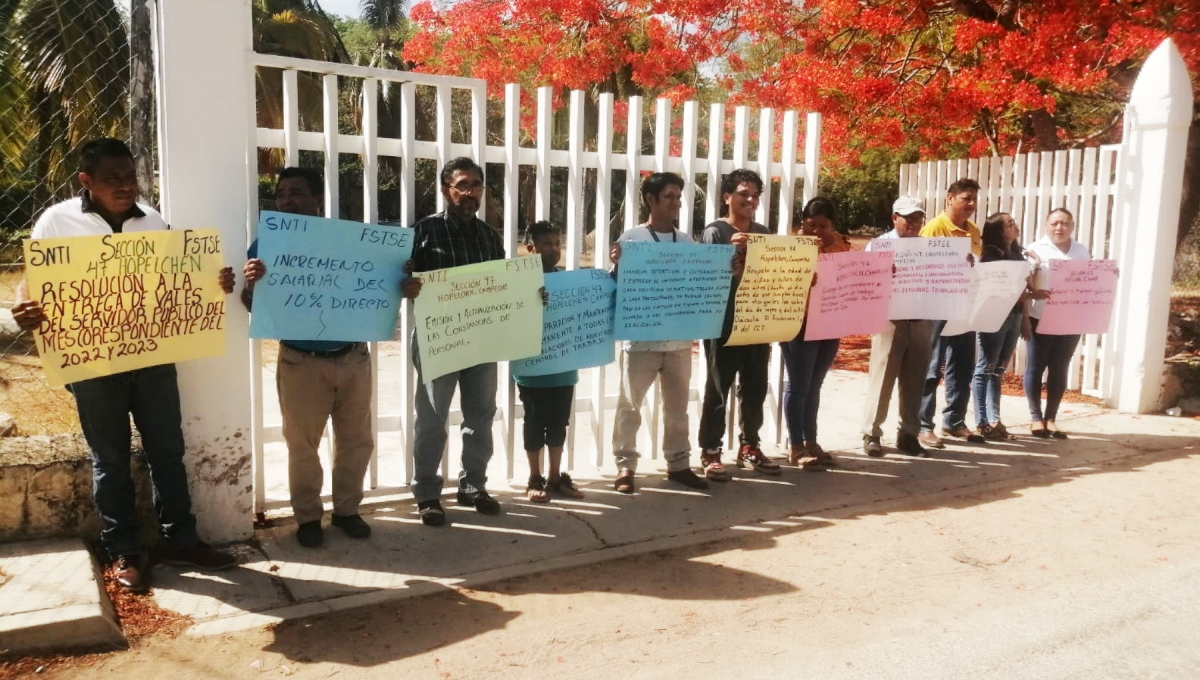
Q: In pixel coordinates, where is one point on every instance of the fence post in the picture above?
(1159, 112)
(206, 136)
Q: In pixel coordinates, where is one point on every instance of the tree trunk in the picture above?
(141, 96)
(1045, 132)
(1189, 211)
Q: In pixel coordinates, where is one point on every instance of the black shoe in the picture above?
(310, 534)
(481, 501)
(200, 556)
(352, 525)
(688, 478)
(127, 569)
(909, 445)
(431, 512)
(871, 446)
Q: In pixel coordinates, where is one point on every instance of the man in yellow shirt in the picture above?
(956, 353)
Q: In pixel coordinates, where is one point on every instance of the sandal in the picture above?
(624, 481)
(823, 458)
(565, 486)
(535, 491)
(999, 427)
(991, 433)
(796, 455)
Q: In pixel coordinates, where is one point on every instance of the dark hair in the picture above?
(993, 234)
(657, 182)
(819, 207)
(962, 185)
(316, 186)
(97, 150)
(732, 181)
(539, 229)
(1063, 211)
(460, 164)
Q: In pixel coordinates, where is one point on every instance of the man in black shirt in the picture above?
(740, 191)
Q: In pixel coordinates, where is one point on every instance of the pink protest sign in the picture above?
(851, 296)
(1081, 297)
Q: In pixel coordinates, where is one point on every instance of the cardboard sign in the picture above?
(328, 279)
(773, 294)
(577, 325)
(119, 302)
(672, 291)
(994, 289)
(1081, 297)
(478, 314)
(931, 279)
(852, 295)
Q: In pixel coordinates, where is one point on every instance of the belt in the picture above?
(326, 354)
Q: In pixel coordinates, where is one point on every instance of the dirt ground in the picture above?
(934, 578)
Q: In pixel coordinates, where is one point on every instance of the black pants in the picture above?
(1049, 354)
(750, 362)
(547, 414)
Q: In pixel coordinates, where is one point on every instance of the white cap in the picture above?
(906, 205)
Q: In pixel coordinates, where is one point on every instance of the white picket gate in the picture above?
(543, 158)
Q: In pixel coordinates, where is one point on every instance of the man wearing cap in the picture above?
(901, 352)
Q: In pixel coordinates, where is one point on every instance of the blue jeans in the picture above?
(104, 405)
(956, 354)
(1049, 354)
(477, 399)
(994, 351)
(807, 364)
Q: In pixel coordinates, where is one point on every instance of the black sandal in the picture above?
(535, 491)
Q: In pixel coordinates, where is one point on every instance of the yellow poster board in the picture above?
(118, 302)
(771, 300)
(478, 314)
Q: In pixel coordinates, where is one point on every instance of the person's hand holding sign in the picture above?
(410, 287)
(225, 278)
(28, 314)
(254, 270)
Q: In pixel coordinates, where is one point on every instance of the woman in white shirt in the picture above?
(1050, 354)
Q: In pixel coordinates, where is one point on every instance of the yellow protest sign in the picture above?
(478, 314)
(773, 295)
(118, 302)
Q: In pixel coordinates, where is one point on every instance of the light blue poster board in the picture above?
(328, 279)
(577, 325)
(672, 291)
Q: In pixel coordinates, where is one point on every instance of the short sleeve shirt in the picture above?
(942, 227)
(1045, 249)
(642, 234)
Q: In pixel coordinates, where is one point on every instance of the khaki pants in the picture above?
(901, 352)
(311, 391)
(638, 372)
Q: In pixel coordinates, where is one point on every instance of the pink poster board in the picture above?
(1081, 297)
(851, 296)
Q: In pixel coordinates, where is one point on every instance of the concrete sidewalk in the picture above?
(278, 580)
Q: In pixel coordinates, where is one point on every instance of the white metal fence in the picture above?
(774, 146)
(1028, 186)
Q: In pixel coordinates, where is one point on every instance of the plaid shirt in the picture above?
(441, 242)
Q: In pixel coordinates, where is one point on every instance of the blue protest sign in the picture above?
(577, 325)
(328, 279)
(672, 291)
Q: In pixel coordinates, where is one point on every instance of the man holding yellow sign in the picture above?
(116, 297)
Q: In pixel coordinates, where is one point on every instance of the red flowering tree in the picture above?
(927, 77)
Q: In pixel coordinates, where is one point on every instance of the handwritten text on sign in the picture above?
(851, 296)
(994, 289)
(771, 298)
(577, 325)
(489, 312)
(328, 279)
(672, 291)
(1081, 297)
(931, 277)
(118, 302)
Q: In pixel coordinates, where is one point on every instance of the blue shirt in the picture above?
(303, 345)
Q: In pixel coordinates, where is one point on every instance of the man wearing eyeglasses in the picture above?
(453, 238)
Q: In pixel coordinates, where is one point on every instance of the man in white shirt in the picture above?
(108, 204)
(900, 353)
(642, 362)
